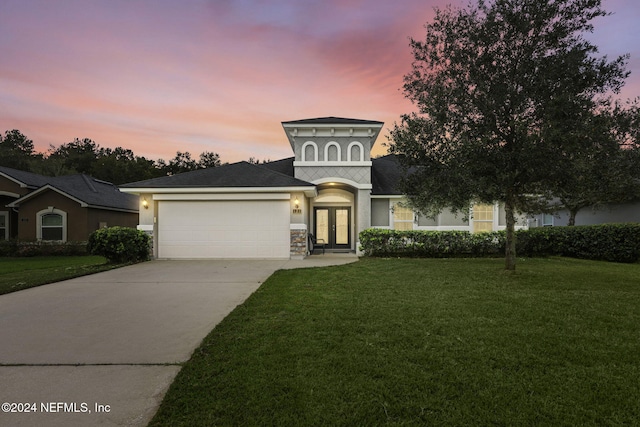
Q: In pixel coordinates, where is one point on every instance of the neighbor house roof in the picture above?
(87, 191)
(23, 178)
(332, 121)
(241, 174)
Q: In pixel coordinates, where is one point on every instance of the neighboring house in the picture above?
(607, 214)
(67, 208)
(331, 188)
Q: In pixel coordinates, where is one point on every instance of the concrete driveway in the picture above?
(103, 349)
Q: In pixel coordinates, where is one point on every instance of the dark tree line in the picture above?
(117, 165)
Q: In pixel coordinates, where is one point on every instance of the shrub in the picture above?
(608, 242)
(120, 244)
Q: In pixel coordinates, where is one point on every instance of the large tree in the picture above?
(16, 150)
(494, 84)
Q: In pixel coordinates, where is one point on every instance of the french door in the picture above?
(333, 226)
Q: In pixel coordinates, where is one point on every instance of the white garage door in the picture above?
(223, 229)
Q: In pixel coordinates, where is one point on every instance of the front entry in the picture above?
(333, 225)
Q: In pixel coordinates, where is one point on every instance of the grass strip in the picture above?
(22, 273)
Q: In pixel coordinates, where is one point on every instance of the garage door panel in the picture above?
(223, 229)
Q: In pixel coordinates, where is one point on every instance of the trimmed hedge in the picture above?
(430, 244)
(120, 244)
(15, 248)
(609, 242)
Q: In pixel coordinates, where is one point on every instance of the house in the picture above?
(67, 208)
(607, 214)
(330, 187)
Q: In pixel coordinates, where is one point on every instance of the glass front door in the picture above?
(333, 226)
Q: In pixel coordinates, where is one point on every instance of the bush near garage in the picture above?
(120, 244)
(608, 242)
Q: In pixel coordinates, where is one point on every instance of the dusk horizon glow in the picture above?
(158, 77)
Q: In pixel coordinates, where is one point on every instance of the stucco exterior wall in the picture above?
(615, 213)
(380, 212)
(76, 216)
(358, 174)
(98, 217)
(81, 222)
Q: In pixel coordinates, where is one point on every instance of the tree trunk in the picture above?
(572, 217)
(510, 251)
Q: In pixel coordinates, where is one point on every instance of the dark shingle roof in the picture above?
(333, 120)
(29, 179)
(95, 192)
(82, 187)
(385, 175)
(241, 174)
(284, 166)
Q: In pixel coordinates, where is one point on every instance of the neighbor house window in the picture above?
(4, 226)
(547, 220)
(402, 217)
(52, 225)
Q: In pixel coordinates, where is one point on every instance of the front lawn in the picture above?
(422, 342)
(23, 273)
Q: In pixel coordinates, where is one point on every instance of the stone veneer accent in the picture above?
(298, 243)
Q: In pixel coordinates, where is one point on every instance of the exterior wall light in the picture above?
(145, 204)
(296, 202)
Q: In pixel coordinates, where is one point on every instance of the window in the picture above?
(4, 226)
(332, 152)
(355, 152)
(52, 225)
(482, 218)
(547, 220)
(402, 217)
(309, 152)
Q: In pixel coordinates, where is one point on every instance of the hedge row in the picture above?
(16, 248)
(610, 242)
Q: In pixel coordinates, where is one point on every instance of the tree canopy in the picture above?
(116, 165)
(502, 89)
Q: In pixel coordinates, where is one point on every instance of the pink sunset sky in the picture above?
(221, 75)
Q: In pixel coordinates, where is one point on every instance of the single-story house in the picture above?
(331, 188)
(67, 208)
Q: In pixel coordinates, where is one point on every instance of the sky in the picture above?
(161, 76)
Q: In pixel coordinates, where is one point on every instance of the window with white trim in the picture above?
(402, 217)
(547, 220)
(52, 225)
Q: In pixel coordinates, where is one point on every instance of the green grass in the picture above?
(423, 342)
(22, 273)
